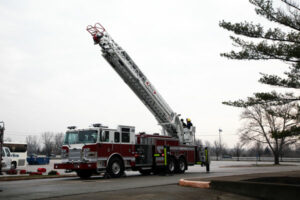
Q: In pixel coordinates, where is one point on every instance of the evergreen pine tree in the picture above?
(279, 43)
(274, 43)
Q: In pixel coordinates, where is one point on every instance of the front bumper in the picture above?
(75, 166)
(5, 167)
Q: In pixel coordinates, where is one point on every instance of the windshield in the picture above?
(81, 137)
(7, 152)
(16, 148)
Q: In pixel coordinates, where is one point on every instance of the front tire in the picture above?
(84, 174)
(115, 168)
(13, 165)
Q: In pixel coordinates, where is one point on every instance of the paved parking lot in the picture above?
(62, 187)
(214, 166)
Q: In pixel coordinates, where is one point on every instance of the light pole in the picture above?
(220, 145)
(1, 143)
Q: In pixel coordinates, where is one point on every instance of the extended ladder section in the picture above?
(138, 82)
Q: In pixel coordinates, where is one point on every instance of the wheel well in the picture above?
(182, 157)
(116, 156)
(176, 160)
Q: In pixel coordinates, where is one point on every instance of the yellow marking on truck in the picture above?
(165, 152)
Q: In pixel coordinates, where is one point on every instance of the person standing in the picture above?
(188, 123)
(183, 123)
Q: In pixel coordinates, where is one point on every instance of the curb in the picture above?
(33, 177)
(195, 184)
(269, 191)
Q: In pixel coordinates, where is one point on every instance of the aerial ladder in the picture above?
(122, 63)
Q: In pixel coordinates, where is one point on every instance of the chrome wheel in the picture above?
(181, 165)
(171, 166)
(116, 168)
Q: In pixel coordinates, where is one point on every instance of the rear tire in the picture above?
(207, 168)
(171, 167)
(84, 174)
(115, 168)
(181, 165)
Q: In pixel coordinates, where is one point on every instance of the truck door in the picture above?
(6, 159)
(145, 155)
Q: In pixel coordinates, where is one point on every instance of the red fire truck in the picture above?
(102, 149)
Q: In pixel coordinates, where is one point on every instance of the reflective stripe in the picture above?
(182, 148)
(175, 148)
(129, 158)
(157, 155)
(102, 158)
(124, 158)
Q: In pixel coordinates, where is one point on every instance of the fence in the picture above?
(264, 159)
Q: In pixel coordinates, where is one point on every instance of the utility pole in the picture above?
(1, 143)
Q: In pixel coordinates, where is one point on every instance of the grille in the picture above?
(21, 162)
(75, 154)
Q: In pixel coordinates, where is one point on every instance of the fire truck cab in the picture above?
(88, 151)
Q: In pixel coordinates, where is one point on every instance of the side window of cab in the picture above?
(7, 152)
(3, 153)
(125, 135)
(104, 136)
(117, 137)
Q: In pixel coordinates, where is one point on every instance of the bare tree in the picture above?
(267, 152)
(237, 150)
(33, 144)
(286, 151)
(217, 148)
(297, 149)
(207, 144)
(258, 149)
(270, 125)
(7, 139)
(47, 139)
(58, 142)
(198, 142)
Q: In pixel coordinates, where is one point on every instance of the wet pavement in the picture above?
(63, 187)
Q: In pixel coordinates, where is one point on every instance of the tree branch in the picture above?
(291, 4)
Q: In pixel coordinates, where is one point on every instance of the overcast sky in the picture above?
(52, 76)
